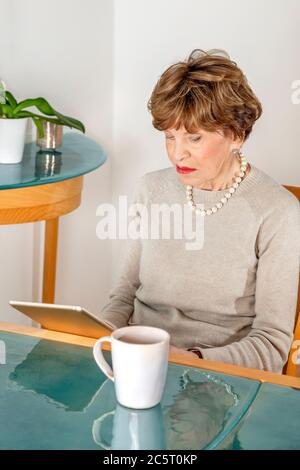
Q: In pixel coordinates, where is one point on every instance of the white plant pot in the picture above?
(12, 139)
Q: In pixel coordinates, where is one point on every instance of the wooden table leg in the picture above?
(50, 252)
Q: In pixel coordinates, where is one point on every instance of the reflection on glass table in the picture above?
(126, 428)
(67, 378)
(54, 396)
(47, 164)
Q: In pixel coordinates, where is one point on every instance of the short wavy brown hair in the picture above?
(208, 91)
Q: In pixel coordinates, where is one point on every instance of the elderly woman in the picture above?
(234, 299)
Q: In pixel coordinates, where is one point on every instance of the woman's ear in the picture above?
(237, 144)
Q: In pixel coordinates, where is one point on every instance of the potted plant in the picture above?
(13, 122)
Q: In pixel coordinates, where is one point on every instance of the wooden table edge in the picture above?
(229, 369)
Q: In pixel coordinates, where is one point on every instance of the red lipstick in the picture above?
(184, 169)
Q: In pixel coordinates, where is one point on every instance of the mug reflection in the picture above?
(130, 429)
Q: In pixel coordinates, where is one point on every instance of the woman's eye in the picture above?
(195, 139)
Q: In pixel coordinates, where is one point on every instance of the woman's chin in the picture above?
(186, 179)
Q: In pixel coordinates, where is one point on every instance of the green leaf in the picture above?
(2, 92)
(30, 114)
(44, 107)
(7, 110)
(39, 116)
(11, 99)
(40, 103)
(37, 119)
(39, 126)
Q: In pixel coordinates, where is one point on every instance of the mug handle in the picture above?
(99, 358)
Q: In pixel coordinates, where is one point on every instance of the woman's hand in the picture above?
(175, 350)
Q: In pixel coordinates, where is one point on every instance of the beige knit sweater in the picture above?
(235, 297)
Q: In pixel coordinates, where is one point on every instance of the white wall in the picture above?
(98, 60)
(61, 50)
(261, 36)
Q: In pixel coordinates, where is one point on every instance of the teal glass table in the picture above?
(45, 186)
(53, 396)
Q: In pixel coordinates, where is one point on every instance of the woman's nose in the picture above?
(179, 156)
(180, 152)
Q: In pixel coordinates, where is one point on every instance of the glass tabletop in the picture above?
(272, 422)
(77, 156)
(54, 396)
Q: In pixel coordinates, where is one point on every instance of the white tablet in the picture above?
(65, 318)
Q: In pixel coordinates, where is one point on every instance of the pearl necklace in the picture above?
(237, 180)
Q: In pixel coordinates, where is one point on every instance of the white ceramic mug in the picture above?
(140, 364)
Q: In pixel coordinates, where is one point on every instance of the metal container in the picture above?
(53, 136)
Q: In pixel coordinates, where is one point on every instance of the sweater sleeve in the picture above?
(268, 343)
(117, 311)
